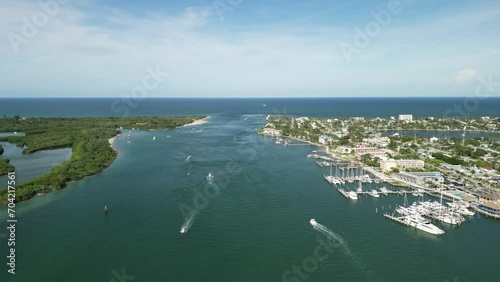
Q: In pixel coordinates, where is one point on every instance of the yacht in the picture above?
(423, 224)
(465, 211)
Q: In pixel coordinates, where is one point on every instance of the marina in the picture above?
(420, 214)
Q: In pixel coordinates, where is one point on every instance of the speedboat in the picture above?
(184, 229)
(313, 222)
(210, 177)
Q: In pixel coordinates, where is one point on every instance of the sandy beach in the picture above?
(197, 122)
(112, 140)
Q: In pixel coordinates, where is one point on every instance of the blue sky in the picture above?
(243, 48)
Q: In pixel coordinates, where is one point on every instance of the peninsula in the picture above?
(405, 151)
(87, 136)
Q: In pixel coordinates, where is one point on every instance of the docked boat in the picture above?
(374, 193)
(384, 191)
(352, 195)
(423, 224)
(465, 211)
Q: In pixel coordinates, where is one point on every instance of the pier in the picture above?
(399, 219)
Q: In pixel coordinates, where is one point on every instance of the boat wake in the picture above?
(338, 242)
(187, 224)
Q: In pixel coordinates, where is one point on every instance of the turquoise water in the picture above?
(254, 229)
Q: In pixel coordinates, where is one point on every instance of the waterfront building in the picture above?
(375, 152)
(490, 203)
(271, 131)
(420, 177)
(325, 140)
(408, 118)
(387, 165)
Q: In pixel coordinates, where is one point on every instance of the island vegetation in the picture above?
(5, 166)
(88, 137)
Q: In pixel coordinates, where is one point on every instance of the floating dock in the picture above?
(343, 192)
(399, 219)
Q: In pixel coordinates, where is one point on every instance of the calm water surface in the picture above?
(254, 229)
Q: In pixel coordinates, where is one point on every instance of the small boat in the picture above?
(154, 137)
(105, 209)
(374, 193)
(384, 191)
(210, 177)
(313, 222)
(352, 195)
(183, 229)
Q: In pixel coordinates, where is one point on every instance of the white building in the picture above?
(387, 165)
(271, 131)
(325, 140)
(378, 141)
(408, 118)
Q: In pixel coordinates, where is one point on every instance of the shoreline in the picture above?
(197, 122)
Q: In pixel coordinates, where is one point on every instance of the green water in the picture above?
(256, 227)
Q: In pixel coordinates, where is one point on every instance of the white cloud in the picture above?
(465, 76)
(106, 55)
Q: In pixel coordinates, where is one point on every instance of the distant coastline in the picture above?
(197, 122)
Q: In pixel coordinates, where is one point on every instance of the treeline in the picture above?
(450, 160)
(88, 138)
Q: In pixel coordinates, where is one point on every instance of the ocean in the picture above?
(313, 107)
(250, 224)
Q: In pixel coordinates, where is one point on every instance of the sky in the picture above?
(247, 48)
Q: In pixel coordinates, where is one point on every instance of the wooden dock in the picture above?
(399, 219)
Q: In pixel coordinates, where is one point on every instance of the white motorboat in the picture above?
(374, 193)
(423, 224)
(183, 229)
(210, 177)
(352, 195)
(313, 222)
(384, 191)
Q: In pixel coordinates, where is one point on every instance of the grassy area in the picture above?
(5, 167)
(88, 138)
